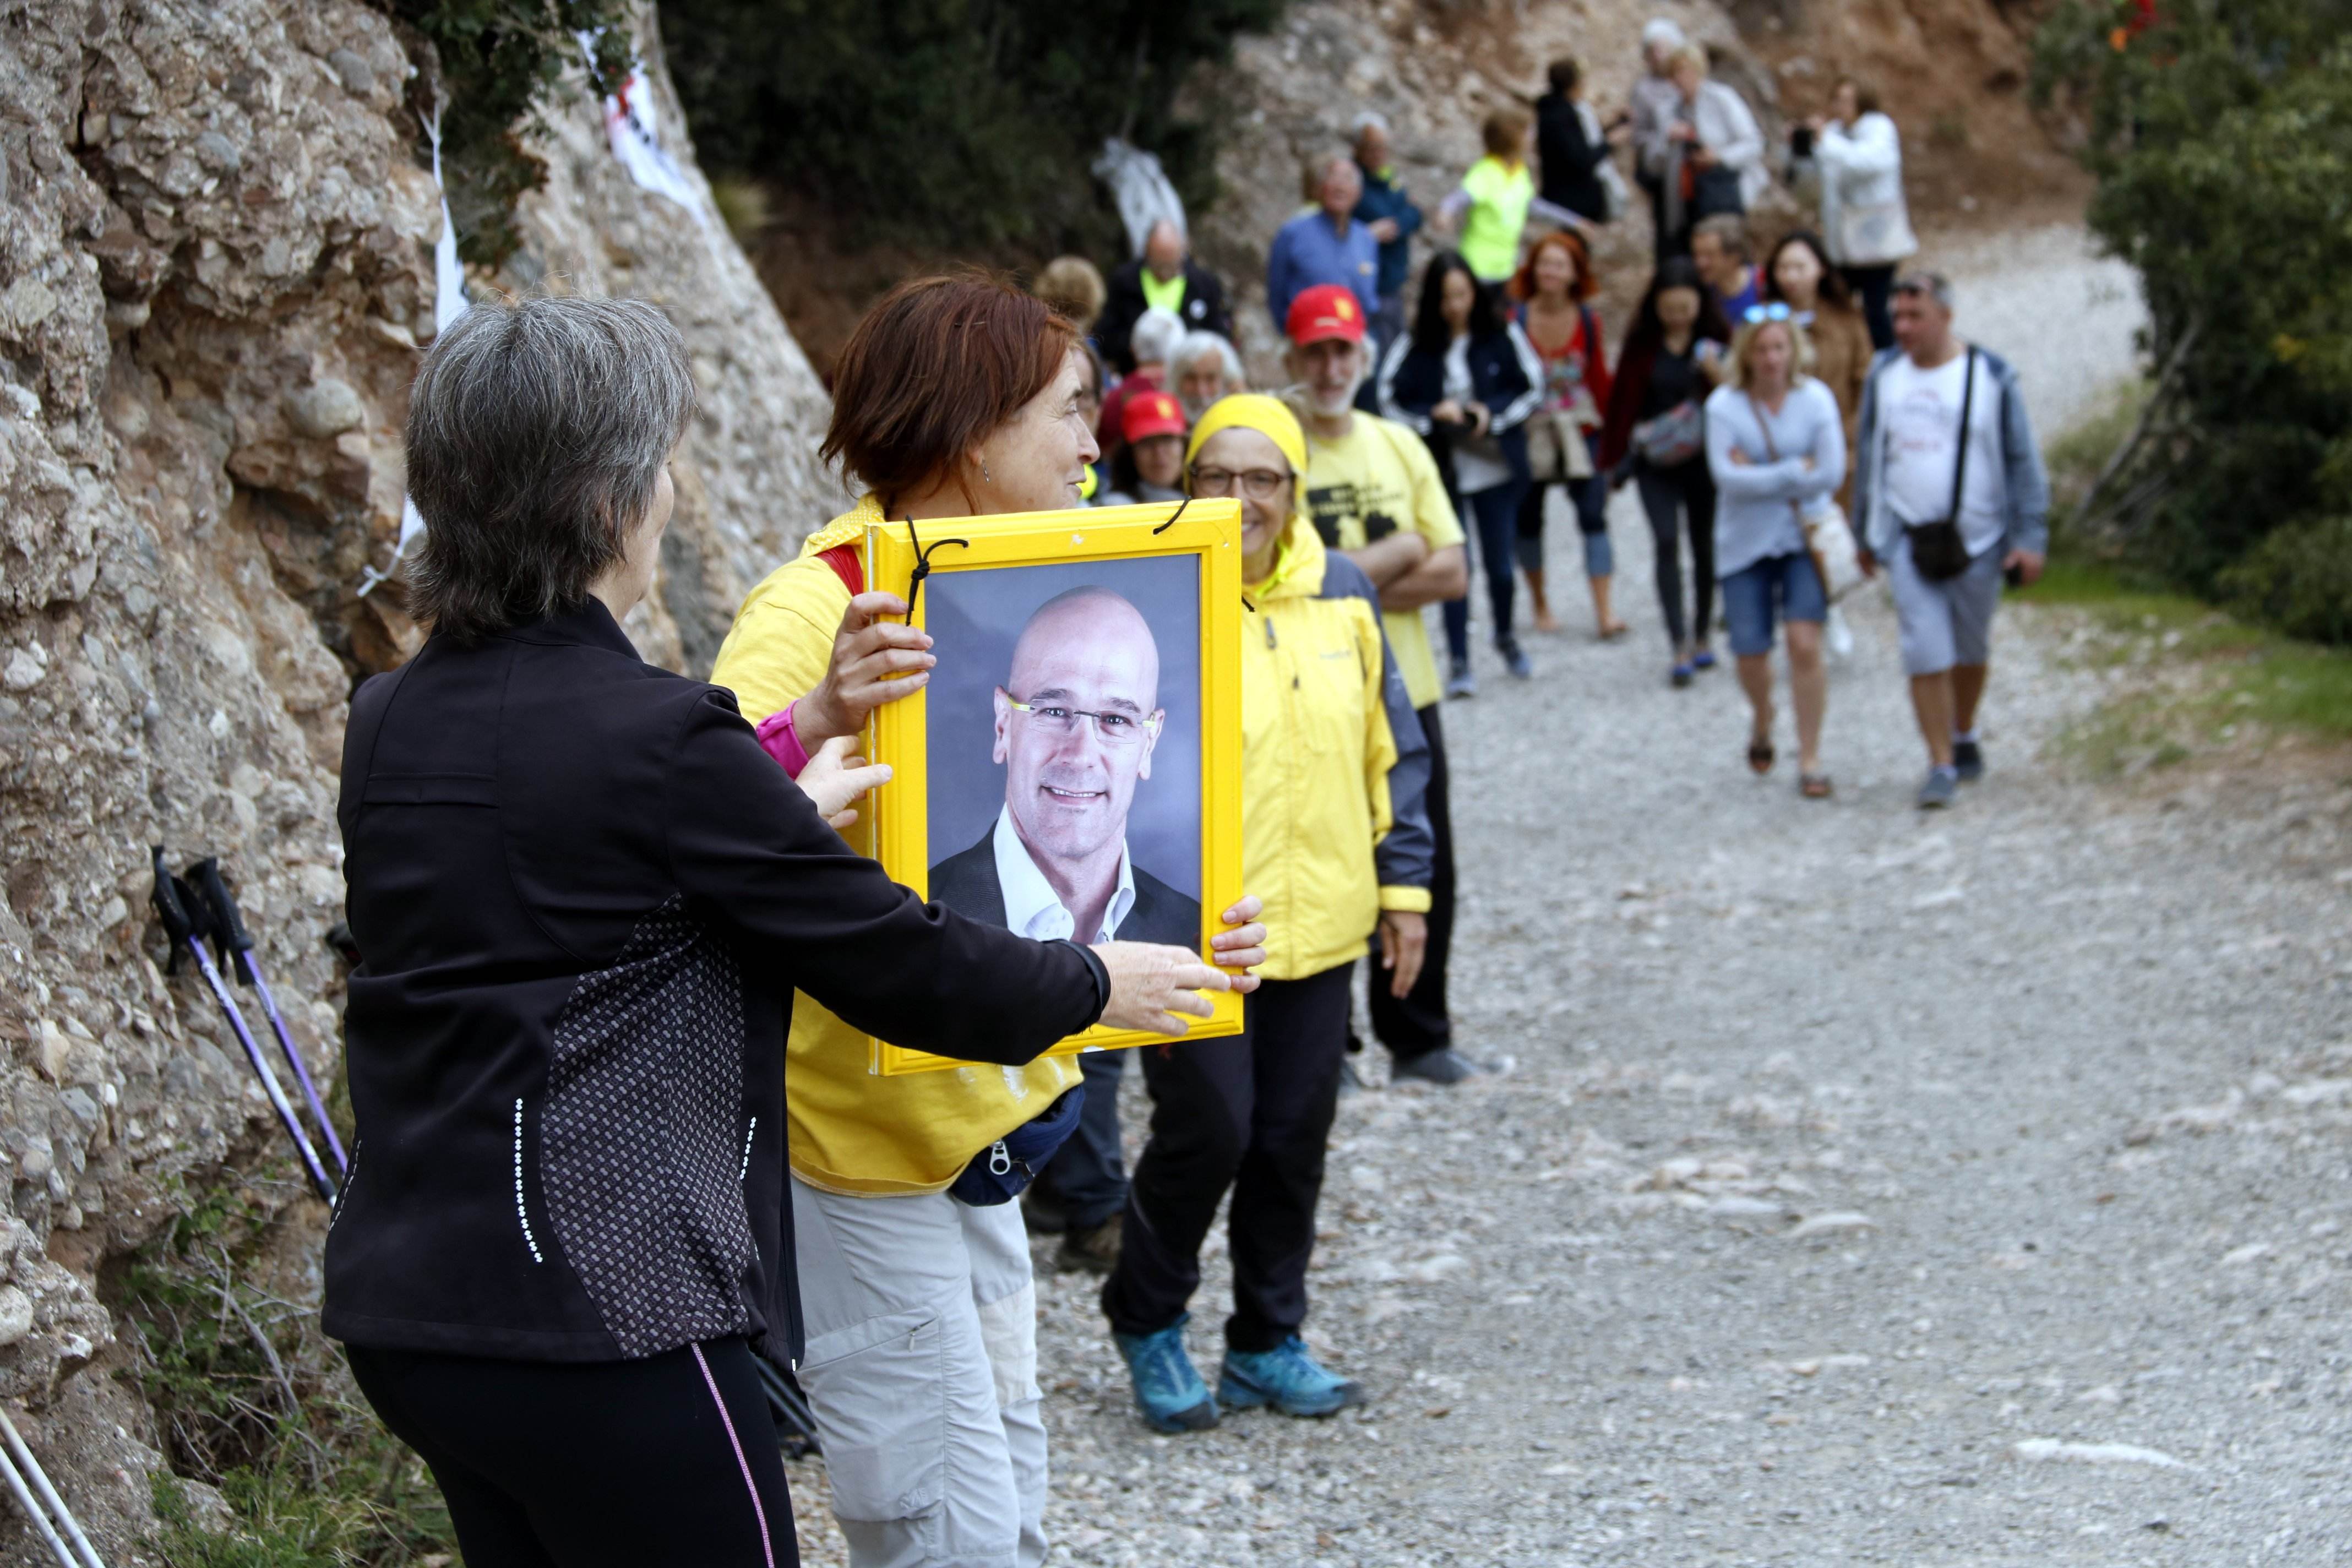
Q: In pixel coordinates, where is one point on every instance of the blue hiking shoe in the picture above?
(1288, 1379)
(1167, 1390)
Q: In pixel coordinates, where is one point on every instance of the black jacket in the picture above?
(966, 882)
(1571, 160)
(1505, 374)
(1204, 310)
(584, 895)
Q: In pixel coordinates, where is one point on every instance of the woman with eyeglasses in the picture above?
(1776, 448)
(1334, 767)
(955, 397)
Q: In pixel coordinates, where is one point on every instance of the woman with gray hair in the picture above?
(1205, 367)
(583, 895)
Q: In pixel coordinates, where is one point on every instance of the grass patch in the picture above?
(251, 1400)
(2207, 679)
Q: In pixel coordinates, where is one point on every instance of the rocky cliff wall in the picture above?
(216, 276)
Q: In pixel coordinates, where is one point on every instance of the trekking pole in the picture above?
(83, 1554)
(230, 937)
(175, 906)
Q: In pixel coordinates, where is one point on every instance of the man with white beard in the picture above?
(1374, 494)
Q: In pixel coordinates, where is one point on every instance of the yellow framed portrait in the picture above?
(1072, 765)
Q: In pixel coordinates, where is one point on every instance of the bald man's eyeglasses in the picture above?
(1115, 730)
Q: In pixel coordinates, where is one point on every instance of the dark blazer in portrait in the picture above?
(966, 883)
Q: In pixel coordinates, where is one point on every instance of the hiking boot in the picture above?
(1168, 1392)
(1461, 683)
(1286, 1378)
(1444, 1065)
(1968, 761)
(1515, 659)
(1091, 1247)
(1041, 1212)
(1936, 792)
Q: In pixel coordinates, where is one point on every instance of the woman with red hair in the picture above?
(1553, 288)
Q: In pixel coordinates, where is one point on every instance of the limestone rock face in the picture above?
(215, 275)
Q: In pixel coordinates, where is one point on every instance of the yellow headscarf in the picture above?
(1270, 417)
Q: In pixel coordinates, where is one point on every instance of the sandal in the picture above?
(1613, 631)
(1760, 756)
(1816, 786)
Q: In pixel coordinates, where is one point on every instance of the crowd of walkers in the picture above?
(625, 944)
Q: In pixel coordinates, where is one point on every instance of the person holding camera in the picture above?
(1949, 493)
(1467, 379)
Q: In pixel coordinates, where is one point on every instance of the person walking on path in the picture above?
(1467, 380)
(1164, 278)
(1775, 447)
(1798, 275)
(1574, 149)
(1390, 215)
(584, 899)
(1720, 248)
(1864, 217)
(955, 397)
(1491, 206)
(1652, 107)
(1374, 494)
(1326, 244)
(1333, 771)
(1715, 149)
(1553, 288)
(1951, 496)
(1653, 436)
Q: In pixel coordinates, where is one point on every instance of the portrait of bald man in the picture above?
(1076, 721)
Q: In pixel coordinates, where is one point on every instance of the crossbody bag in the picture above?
(1937, 551)
(1829, 538)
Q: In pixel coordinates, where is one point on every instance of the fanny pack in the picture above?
(998, 1173)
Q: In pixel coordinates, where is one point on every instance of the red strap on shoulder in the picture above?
(843, 559)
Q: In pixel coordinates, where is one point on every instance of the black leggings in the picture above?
(1254, 1113)
(1682, 495)
(669, 1462)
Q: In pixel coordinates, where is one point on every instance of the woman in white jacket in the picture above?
(1864, 217)
(1714, 149)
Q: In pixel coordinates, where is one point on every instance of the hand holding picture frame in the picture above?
(1073, 768)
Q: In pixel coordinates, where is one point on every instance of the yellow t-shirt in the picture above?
(1499, 199)
(1376, 479)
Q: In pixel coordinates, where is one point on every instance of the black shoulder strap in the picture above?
(1968, 406)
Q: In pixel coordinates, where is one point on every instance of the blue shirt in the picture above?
(1757, 502)
(1735, 306)
(1306, 252)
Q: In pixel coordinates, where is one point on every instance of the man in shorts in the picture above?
(1944, 440)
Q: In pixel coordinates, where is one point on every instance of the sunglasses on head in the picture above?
(1756, 314)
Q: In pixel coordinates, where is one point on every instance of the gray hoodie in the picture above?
(2025, 486)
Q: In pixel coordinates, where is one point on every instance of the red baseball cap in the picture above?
(1326, 310)
(1151, 414)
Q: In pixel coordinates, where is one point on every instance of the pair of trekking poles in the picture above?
(197, 907)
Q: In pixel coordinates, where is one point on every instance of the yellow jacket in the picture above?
(852, 1130)
(1334, 765)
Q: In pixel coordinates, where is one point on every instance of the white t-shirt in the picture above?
(1032, 908)
(1922, 416)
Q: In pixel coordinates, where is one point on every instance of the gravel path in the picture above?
(1865, 1187)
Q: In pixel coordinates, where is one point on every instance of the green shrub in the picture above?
(2221, 132)
(2299, 578)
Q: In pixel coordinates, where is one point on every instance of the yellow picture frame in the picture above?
(910, 560)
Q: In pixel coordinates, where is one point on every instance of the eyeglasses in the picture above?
(1115, 729)
(1757, 314)
(1258, 484)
